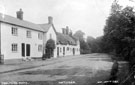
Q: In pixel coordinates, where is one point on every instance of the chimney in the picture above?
(19, 14)
(50, 20)
(70, 33)
(67, 30)
(63, 30)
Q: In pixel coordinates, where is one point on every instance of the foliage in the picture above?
(95, 44)
(50, 44)
(84, 47)
(79, 35)
(119, 32)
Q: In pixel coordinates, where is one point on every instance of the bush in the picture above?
(44, 56)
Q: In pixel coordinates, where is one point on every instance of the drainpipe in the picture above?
(0, 44)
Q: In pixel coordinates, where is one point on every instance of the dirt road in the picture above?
(75, 70)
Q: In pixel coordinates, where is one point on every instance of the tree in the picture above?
(95, 44)
(84, 47)
(119, 32)
(50, 46)
(79, 35)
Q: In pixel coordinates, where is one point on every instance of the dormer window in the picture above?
(14, 31)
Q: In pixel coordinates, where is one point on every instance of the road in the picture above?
(74, 70)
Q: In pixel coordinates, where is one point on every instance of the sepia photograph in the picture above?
(67, 42)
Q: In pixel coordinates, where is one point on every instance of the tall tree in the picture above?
(83, 44)
(79, 35)
(119, 31)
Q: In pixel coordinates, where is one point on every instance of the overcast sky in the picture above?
(86, 15)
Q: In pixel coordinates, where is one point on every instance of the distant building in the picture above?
(67, 44)
(23, 39)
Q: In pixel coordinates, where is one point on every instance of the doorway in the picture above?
(73, 51)
(57, 51)
(23, 50)
(63, 51)
(26, 49)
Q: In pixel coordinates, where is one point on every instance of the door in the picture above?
(23, 50)
(28, 50)
(57, 51)
(63, 51)
(73, 51)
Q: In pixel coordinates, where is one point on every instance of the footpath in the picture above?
(18, 64)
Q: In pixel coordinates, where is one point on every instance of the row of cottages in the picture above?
(23, 39)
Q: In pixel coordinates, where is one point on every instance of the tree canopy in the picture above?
(50, 44)
(119, 32)
(83, 44)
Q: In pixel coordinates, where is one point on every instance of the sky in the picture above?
(86, 15)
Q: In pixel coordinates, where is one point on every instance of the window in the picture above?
(28, 34)
(14, 47)
(60, 49)
(40, 48)
(14, 31)
(40, 36)
(67, 48)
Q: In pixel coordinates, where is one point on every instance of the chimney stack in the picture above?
(67, 30)
(50, 20)
(70, 33)
(19, 14)
(64, 31)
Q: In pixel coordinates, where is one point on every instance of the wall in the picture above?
(7, 39)
(70, 51)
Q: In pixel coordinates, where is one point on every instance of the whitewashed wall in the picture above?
(7, 39)
(70, 51)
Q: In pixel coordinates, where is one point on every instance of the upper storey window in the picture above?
(14, 31)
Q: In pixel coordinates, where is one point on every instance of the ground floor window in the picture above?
(67, 48)
(40, 48)
(14, 47)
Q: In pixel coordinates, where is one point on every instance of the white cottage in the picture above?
(67, 44)
(23, 39)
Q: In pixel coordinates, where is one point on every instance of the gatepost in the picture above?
(1, 59)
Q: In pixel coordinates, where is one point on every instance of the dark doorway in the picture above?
(28, 50)
(23, 49)
(57, 51)
(73, 51)
(63, 50)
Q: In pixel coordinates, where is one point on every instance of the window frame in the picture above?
(14, 47)
(14, 31)
(28, 34)
(40, 48)
(40, 36)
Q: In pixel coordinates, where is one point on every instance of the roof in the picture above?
(45, 26)
(12, 20)
(65, 39)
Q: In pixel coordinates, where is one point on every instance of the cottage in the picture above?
(67, 44)
(23, 39)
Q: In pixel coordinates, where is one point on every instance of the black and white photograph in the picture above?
(67, 42)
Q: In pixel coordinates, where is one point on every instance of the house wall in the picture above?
(7, 39)
(52, 35)
(70, 51)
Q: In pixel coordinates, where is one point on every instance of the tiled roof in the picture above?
(18, 22)
(65, 39)
(45, 26)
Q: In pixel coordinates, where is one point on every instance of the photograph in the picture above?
(67, 42)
